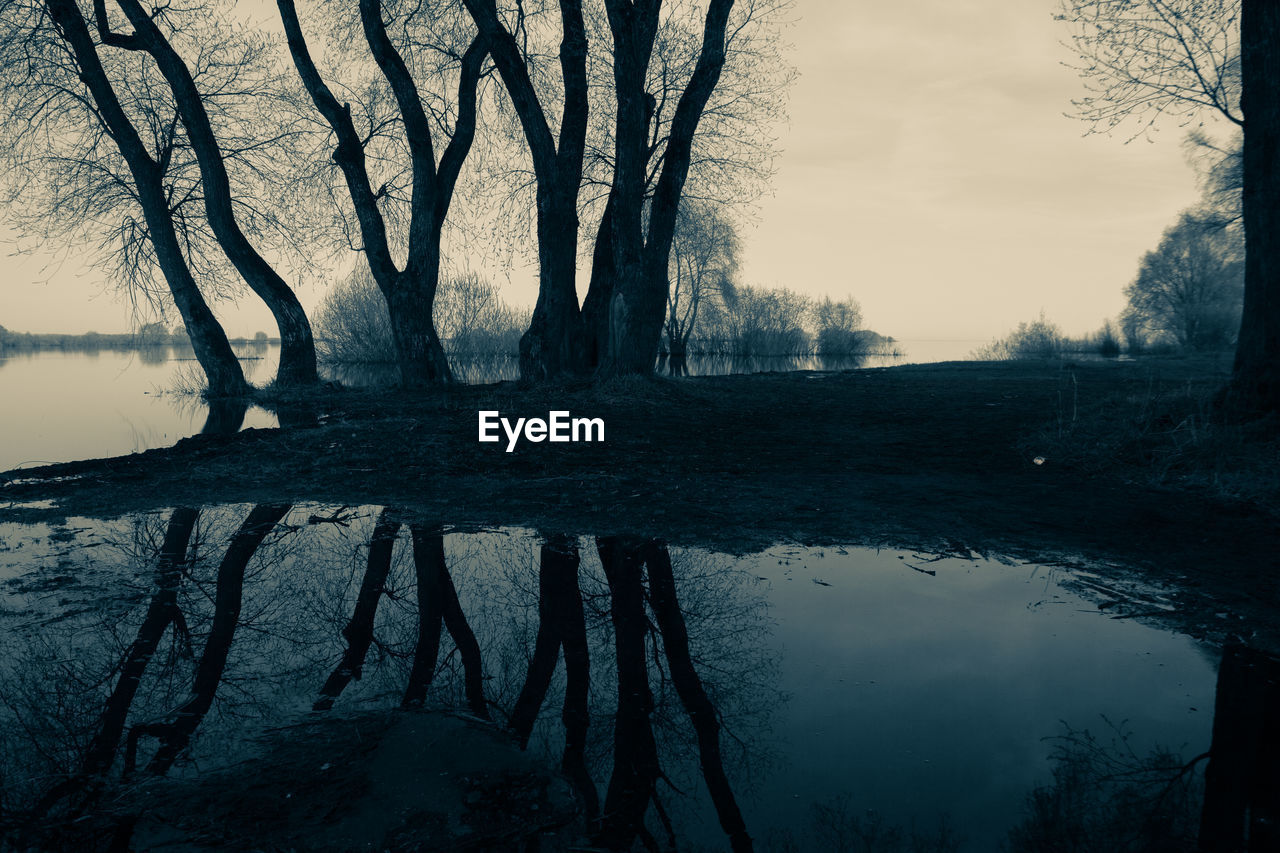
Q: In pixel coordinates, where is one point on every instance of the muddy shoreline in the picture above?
(939, 458)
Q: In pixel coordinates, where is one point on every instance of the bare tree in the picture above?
(704, 261)
(729, 147)
(838, 327)
(409, 290)
(79, 165)
(766, 322)
(1148, 58)
(548, 348)
(638, 299)
(732, 147)
(1189, 289)
(297, 350)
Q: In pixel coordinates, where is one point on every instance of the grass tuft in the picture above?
(1164, 434)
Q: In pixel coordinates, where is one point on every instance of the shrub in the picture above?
(839, 327)
(1037, 339)
(352, 325)
(766, 322)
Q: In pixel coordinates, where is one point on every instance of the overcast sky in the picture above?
(928, 170)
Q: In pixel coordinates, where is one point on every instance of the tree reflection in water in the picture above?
(227, 637)
(213, 624)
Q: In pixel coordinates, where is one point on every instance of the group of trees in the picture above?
(708, 311)
(1189, 289)
(755, 321)
(148, 335)
(204, 154)
(201, 153)
(1145, 60)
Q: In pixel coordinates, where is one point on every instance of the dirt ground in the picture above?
(939, 458)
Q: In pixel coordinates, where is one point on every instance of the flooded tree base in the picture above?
(945, 458)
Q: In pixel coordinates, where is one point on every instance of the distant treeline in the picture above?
(744, 321)
(147, 336)
(352, 325)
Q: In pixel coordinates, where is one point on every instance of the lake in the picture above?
(62, 406)
(857, 693)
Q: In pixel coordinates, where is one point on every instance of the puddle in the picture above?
(794, 696)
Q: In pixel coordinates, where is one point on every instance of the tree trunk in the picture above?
(636, 318)
(706, 723)
(549, 349)
(635, 751)
(1255, 382)
(223, 373)
(420, 354)
(359, 631)
(1242, 782)
(409, 294)
(595, 307)
(678, 365)
(639, 302)
(213, 352)
(297, 349)
(633, 28)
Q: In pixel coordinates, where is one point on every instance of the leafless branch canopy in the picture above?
(1146, 59)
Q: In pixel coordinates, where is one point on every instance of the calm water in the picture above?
(60, 406)
(854, 688)
(65, 406)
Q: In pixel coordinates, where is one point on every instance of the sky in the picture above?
(928, 169)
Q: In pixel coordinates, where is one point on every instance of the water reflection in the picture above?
(177, 645)
(88, 405)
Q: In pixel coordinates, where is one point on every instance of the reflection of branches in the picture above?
(1107, 795)
(359, 630)
(437, 602)
(162, 612)
(281, 600)
(176, 733)
(719, 649)
(675, 642)
(560, 624)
